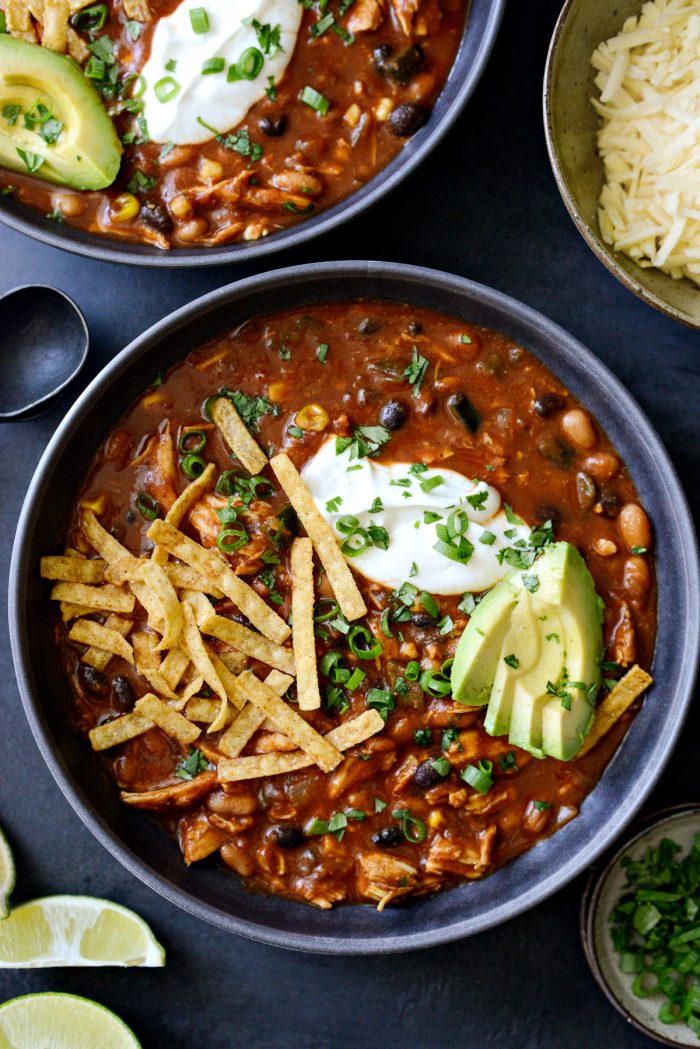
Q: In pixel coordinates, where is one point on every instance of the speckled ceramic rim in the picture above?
(591, 896)
(477, 42)
(29, 411)
(593, 241)
(215, 895)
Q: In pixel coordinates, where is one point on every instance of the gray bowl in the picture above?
(208, 890)
(570, 128)
(477, 41)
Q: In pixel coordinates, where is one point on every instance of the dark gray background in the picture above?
(484, 206)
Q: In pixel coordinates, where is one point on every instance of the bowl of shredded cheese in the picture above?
(622, 121)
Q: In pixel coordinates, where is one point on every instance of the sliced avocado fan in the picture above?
(532, 651)
(52, 121)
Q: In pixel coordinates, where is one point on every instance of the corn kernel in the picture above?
(211, 169)
(124, 208)
(152, 399)
(435, 819)
(383, 108)
(312, 417)
(276, 391)
(352, 115)
(181, 207)
(98, 504)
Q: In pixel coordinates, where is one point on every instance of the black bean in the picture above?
(156, 216)
(93, 680)
(464, 411)
(367, 326)
(545, 512)
(287, 836)
(547, 403)
(387, 837)
(274, 126)
(585, 490)
(393, 415)
(422, 620)
(130, 516)
(406, 119)
(610, 503)
(426, 776)
(414, 328)
(492, 364)
(123, 695)
(556, 451)
(400, 68)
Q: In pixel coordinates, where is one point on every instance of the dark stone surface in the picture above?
(484, 206)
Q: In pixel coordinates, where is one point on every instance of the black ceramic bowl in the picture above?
(484, 18)
(210, 891)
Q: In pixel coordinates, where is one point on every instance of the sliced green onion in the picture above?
(250, 63)
(412, 671)
(384, 623)
(363, 644)
(412, 827)
(231, 539)
(429, 604)
(184, 444)
(325, 609)
(166, 88)
(225, 484)
(199, 20)
(315, 100)
(356, 543)
(435, 683)
(432, 482)
(213, 65)
(382, 700)
(193, 466)
(355, 679)
(479, 776)
(147, 506)
(90, 19)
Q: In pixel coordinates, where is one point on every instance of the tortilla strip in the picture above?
(70, 611)
(120, 560)
(237, 436)
(184, 503)
(118, 731)
(164, 593)
(205, 710)
(17, 16)
(97, 657)
(199, 604)
(208, 564)
(77, 48)
(72, 569)
(617, 701)
(160, 686)
(324, 754)
(167, 719)
(236, 662)
(229, 680)
(94, 635)
(250, 719)
(246, 641)
(174, 666)
(185, 578)
(55, 25)
(189, 691)
(138, 10)
(177, 795)
(144, 645)
(105, 598)
(194, 646)
(340, 577)
(302, 571)
(349, 734)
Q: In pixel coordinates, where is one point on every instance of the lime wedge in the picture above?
(61, 1021)
(76, 930)
(7, 875)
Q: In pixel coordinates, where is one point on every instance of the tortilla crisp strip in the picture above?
(167, 719)
(251, 644)
(97, 657)
(174, 666)
(303, 639)
(144, 645)
(194, 646)
(323, 753)
(138, 10)
(235, 694)
(251, 718)
(55, 25)
(185, 578)
(158, 585)
(204, 710)
(617, 701)
(77, 48)
(88, 632)
(70, 611)
(72, 569)
(190, 690)
(105, 598)
(119, 731)
(349, 734)
(183, 504)
(237, 436)
(208, 563)
(349, 598)
(17, 17)
(120, 560)
(236, 662)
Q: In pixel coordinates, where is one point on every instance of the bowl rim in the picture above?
(105, 249)
(591, 899)
(606, 829)
(594, 242)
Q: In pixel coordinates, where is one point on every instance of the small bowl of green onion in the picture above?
(640, 925)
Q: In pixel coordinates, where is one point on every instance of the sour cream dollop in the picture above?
(343, 487)
(178, 54)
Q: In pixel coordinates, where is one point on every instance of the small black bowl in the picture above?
(480, 31)
(210, 891)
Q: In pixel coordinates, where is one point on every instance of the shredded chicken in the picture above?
(178, 795)
(198, 839)
(366, 16)
(380, 874)
(624, 643)
(468, 859)
(353, 771)
(158, 458)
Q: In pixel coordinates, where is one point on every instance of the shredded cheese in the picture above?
(648, 77)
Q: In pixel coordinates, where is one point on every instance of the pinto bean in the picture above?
(69, 204)
(634, 526)
(636, 579)
(238, 859)
(602, 466)
(240, 803)
(535, 818)
(578, 427)
(604, 547)
(297, 182)
(192, 230)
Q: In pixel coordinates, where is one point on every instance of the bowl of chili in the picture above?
(624, 776)
(273, 181)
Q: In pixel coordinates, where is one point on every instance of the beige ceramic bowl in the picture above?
(570, 127)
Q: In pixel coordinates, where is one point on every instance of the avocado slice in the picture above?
(479, 647)
(525, 729)
(52, 121)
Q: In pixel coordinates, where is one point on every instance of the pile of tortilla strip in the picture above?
(174, 653)
(47, 22)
